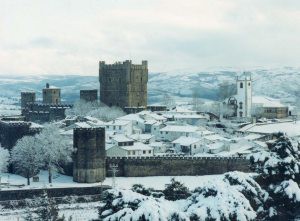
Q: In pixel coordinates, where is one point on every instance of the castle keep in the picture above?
(89, 157)
(123, 84)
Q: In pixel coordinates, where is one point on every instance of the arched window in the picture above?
(241, 85)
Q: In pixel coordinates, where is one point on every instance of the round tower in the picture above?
(90, 155)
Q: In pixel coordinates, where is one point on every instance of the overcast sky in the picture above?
(71, 36)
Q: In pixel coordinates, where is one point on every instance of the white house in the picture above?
(119, 126)
(172, 132)
(188, 145)
(137, 149)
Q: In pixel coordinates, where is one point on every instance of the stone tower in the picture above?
(244, 95)
(51, 95)
(89, 95)
(90, 155)
(123, 84)
(27, 97)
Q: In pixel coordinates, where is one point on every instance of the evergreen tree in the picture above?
(279, 174)
(176, 191)
(47, 210)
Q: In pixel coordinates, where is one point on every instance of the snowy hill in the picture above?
(280, 83)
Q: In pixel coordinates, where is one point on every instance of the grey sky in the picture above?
(71, 36)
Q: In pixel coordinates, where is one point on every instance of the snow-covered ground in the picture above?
(59, 180)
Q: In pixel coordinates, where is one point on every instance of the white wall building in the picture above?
(244, 95)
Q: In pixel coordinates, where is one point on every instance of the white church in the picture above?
(240, 105)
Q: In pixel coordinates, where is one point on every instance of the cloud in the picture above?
(64, 36)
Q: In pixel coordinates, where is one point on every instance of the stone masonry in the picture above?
(90, 155)
(123, 84)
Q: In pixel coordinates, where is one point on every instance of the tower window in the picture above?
(241, 105)
(241, 85)
(249, 84)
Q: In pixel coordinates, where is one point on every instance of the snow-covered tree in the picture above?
(278, 170)
(106, 113)
(95, 109)
(27, 157)
(4, 160)
(56, 150)
(236, 196)
(47, 209)
(176, 190)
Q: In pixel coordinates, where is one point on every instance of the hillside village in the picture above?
(95, 140)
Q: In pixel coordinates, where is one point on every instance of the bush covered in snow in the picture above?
(278, 172)
(236, 197)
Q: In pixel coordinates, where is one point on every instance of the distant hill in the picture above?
(281, 83)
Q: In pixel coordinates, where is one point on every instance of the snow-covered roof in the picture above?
(131, 117)
(82, 125)
(290, 128)
(117, 122)
(141, 136)
(215, 137)
(215, 146)
(266, 102)
(186, 141)
(137, 146)
(186, 116)
(121, 138)
(179, 128)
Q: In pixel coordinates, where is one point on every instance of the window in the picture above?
(149, 151)
(241, 105)
(144, 151)
(133, 152)
(114, 127)
(119, 127)
(241, 85)
(167, 132)
(241, 114)
(173, 145)
(249, 84)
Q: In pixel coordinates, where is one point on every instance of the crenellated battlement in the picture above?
(176, 165)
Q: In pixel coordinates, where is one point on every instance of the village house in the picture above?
(188, 145)
(134, 150)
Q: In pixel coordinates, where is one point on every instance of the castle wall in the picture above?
(176, 166)
(89, 158)
(89, 95)
(11, 132)
(27, 97)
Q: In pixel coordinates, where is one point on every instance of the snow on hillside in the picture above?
(280, 83)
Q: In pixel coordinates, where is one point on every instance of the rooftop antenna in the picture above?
(114, 170)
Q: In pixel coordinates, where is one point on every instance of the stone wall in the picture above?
(89, 95)
(53, 192)
(176, 166)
